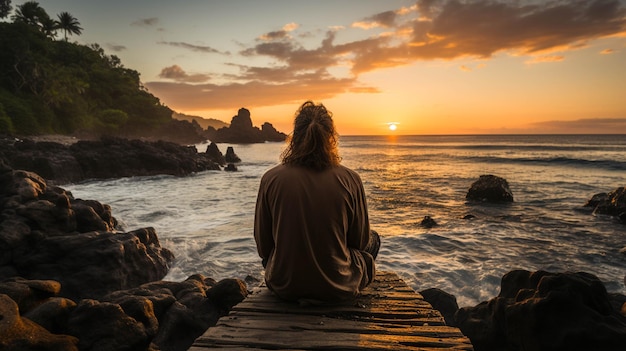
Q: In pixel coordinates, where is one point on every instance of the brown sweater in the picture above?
(312, 227)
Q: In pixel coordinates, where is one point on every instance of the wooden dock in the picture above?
(389, 316)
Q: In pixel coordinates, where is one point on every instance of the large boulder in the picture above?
(612, 204)
(159, 315)
(46, 233)
(17, 333)
(490, 188)
(545, 311)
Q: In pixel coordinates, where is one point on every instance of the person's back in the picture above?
(311, 223)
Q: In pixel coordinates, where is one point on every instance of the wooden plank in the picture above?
(388, 316)
(288, 322)
(307, 339)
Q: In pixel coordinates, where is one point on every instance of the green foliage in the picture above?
(20, 113)
(5, 8)
(6, 125)
(49, 86)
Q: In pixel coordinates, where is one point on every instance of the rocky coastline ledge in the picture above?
(61, 162)
(70, 280)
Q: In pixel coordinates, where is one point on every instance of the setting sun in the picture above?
(392, 126)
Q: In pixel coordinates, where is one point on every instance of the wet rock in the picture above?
(612, 204)
(22, 334)
(105, 158)
(443, 302)
(490, 188)
(545, 311)
(428, 222)
(231, 157)
(214, 154)
(230, 168)
(47, 234)
(105, 326)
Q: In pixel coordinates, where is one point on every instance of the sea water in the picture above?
(206, 219)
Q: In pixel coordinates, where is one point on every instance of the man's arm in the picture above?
(263, 226)
(359, 232)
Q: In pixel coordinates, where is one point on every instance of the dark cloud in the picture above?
(146, 22)
(583, 126)
(385, 19)
(115, 47)
(192, 47)
(176, 73)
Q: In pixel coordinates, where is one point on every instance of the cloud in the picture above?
(385, 19)
(176, 73)
(115, 47)
(546, 58)
(145, 22)
(192, 47)
(607, 51)
(280, 34)
(429, 30)
(253, 93)
(582, 126)
(453, 29)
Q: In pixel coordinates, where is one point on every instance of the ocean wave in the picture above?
(560, 161)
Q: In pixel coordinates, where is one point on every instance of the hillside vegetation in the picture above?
(50, 86)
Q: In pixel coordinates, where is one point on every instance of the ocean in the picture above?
(206, 219)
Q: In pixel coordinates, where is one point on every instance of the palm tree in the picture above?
(29, 12)
(49, 27)
(69, 23)
(5, 8)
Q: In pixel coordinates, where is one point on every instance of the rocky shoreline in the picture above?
(70, 279)
(66, 160)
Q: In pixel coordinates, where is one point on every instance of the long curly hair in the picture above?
(313, 143)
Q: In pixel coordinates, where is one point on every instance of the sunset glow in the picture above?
(436, 67)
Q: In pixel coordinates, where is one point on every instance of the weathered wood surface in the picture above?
(389, 316)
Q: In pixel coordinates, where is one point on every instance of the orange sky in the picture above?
(432, 66)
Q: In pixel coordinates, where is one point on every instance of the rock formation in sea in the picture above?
(612, 204)
(542, 311)
(241, 131)
(214, 153)
(490, 188)
(231, 156)
(105, 158)
(70, 280)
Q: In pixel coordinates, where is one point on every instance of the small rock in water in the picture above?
(428, 222)
(468, 216)
(230, 168)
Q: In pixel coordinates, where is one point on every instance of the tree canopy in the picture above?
(50, 86)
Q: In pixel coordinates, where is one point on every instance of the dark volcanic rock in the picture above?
(428, 222)
(47, 234)
(490, 188)
(215, 155)
(231, 156)
(613, 203)
(114, 276)
(17, 333)
(241, 131)
(230, 168)
(545, 311)
(443, 302)
(105, 158)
